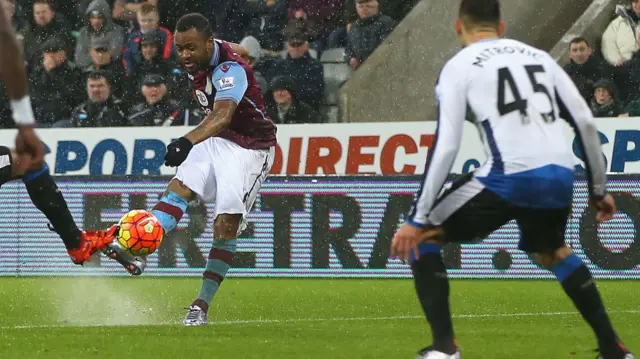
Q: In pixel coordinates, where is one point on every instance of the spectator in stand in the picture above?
(286, 108)
(396, 9)
(368, 32)
(235, 18)
(620, 39)
(151, 47)
(55, 84)
(99, 25)
(170, 11)
(324, 15)
(305, 72)
(101, 109)
(102, 60)
(47, 24)
(64, 9)
(605, 102)
(126, 10)
(272, 17)
(254, 53)
(157, 109)
(148, 19)
(585, 68)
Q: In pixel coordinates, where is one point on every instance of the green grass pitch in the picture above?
(295, 318)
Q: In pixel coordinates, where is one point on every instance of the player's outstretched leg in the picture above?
(46, 196)
(577, 282)
(432, 287)
(220, 260)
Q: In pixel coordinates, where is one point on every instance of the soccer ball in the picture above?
(140, 232)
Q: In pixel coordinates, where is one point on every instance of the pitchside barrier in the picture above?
(336, 223)
(327, 226)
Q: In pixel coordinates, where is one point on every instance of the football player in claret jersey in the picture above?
(515, 94)
(226, 158)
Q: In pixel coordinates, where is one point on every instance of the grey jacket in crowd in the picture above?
(113, 32)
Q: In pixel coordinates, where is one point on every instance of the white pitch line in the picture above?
(315, 320)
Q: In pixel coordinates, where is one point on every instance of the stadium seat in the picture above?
(330, 113)
(335, 75)
(336, 55)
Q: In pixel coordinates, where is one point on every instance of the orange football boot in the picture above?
(91, 242)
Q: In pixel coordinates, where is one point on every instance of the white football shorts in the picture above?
(222, 172)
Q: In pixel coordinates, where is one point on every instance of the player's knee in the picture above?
(226, 226)
(550, 259)
(180, 189)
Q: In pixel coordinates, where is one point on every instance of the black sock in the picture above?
(432, 287)
(581, 288)
(46, 196)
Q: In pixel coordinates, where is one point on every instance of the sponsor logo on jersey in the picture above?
(226, 83)
(202, 98)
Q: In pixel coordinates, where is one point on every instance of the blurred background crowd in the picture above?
(97, 63)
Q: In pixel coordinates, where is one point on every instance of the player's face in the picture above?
(580, 52)
(194, 50)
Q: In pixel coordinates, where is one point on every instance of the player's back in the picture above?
(510, 91)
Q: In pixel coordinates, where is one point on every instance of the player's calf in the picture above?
(218, 264)
(171, 207)
(432, 288)
(576, 280)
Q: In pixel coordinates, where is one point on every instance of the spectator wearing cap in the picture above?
(371, 28)
(605, 102)
(157, 108)
(285, 107)
(305, 72)
(152, 62)
(102, 59)
(148, 20)
(55, 84)
(585, 68)
(254, 53)
(99, 26)
(46, 25)
(101, 109)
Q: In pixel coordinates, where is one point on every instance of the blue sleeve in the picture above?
(230, 81)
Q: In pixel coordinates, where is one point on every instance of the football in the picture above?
(140, 233)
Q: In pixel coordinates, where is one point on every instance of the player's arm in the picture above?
(230, 82)
(575, 110)
(452, 108)
(28, 145)
(240, 50)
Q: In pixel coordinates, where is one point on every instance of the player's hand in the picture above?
(177, 152)
(606, 208)
(407, 239)
(29, 148)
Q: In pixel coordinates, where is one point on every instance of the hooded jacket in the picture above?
(111, 31)
(619, 40)
(612, 109)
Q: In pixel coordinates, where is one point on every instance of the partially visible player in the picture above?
(27, 160)
(226, 158)
(515, 94)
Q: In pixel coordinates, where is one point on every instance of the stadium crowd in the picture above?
(610, 79)
(96, 63)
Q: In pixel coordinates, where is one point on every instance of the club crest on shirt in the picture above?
(202, 98)
(225, 67)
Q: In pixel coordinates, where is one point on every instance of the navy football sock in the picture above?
(432, 287)
(46, 196)
(581, 288)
